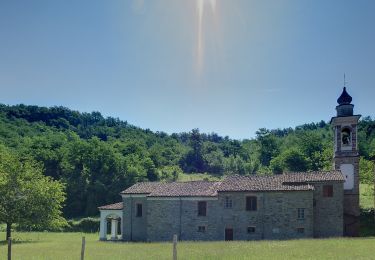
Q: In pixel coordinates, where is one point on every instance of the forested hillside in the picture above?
(97, 157)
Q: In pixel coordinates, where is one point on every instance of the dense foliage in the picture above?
(27, 197)
(97, 157)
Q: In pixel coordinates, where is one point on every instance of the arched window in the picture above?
(346, 136)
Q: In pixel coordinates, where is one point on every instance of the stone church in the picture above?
(286, 206)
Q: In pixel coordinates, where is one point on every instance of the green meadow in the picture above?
(56, 246)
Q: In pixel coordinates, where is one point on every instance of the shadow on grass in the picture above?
(19, 241)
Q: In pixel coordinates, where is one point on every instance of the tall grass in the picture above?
(56, 246)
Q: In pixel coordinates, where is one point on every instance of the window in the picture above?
(139, 210)
(202, 229)
(202, 208)
(228, 203)
(251, 203)
(300, 230)
(301, 213)
(250, 230)
(327, 191)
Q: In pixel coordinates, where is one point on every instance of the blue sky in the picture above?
(229, 67)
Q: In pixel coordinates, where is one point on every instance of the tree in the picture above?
(27, 197)
(269, 147)
(290, 160)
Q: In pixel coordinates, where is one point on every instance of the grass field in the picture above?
(366, 196)
(197, 177)
(48, 245)
(56, 246)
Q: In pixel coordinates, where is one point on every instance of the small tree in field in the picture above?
(27, 197)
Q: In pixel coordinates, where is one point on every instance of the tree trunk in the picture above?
(9, 230)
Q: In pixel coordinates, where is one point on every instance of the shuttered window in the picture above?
(139, 210)
(202, 208)
(251, 203)
(327, 191)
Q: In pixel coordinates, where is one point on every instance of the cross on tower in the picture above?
(345, 80)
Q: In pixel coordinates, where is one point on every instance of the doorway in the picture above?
(228, 234)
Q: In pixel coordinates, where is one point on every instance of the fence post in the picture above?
(174, 247)
(9, 248)
(83, 248)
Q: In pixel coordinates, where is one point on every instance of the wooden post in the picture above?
(9, 248)
(83, 248)
(174, 247)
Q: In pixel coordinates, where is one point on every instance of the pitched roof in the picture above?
(261, 183)
(300, 181)
(285, 182)
(317, 176)
(114, 206)
(175, 189)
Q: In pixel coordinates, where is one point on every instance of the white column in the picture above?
(120, 222)
(114, 229)
(103, 227)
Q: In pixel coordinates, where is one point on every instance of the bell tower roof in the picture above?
(345, 98)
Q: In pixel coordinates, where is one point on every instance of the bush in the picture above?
(88, 225)
(367, 222)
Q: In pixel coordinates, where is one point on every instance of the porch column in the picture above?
(114, 229)
(103, 228)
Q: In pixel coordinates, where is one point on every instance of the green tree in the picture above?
(291, 160)
(268, 146)
(169, 173)
(366, 171)
(27, 197)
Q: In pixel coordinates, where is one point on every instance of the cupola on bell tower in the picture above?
(346, 159)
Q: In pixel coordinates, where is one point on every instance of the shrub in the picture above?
(367, 222)
(88, 225)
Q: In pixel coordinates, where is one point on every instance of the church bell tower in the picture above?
(346, 159)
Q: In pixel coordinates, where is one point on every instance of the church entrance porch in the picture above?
(111, 220)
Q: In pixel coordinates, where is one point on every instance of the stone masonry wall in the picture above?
(275, 217)
(134, 228)
(328, 211)
(164, 219)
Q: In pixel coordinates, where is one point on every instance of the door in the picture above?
(229, 234)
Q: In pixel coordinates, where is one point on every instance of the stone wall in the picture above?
(164, 219)
(328, 211)
(275, 218)
(191, 221)
(134, 228)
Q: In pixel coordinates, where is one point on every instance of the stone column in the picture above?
(103, 228)
(114, 229)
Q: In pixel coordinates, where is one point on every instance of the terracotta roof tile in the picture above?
(283, 182)
(260, 183)
(301, 181)
(317, 176)
(174, 189)
(114, 206)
